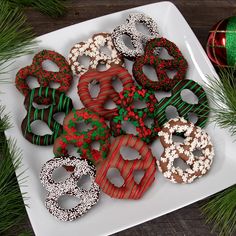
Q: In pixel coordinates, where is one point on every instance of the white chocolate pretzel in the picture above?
(138, 39)
(92, 49)
(195, 139)
(88, 198)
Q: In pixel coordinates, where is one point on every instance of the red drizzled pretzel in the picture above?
(107, 90)
(44, 77)
(160, 65)
(82, 140)
(130, 189)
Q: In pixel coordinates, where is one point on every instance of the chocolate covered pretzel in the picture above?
(59, 102)
(195, 139)
(107, 91)
(92, 49)
(184, 109)
(161, 66)
(137, 116)
(44, 77)
(88, 197)
(130, 189)
(138, 39)
(83, 140)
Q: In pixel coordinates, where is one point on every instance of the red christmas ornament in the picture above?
(221, 43)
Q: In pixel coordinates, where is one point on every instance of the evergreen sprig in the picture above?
(222, 93)
(53, 8)
(16, 39)
(221, 208)
(11, 203)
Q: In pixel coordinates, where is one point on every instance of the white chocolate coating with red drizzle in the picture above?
(196, 139)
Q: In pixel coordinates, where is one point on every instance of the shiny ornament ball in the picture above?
(221, 43)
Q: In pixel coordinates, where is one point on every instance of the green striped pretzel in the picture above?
(58, 102)
(201, 109)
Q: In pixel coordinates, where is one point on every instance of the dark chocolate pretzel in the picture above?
(138, 39)
(44, 77)
(201, 109)
(161, 66)
(59, 102)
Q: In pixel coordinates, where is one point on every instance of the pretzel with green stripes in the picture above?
(59, 102)
(201, 109)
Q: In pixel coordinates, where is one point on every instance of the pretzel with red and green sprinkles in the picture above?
(44, 77)
(136, 116)
(83, 140)
(161, 66)
(59, 102)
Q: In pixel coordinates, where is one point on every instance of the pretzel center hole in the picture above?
(32, 82)
(114, 176)
(60, 174)
(149, 122)
(105, 50)
(178, 162)
(171, 73)
(40, 128)
(81, 126)
(171, 112)
(141, 27)
(192, 117)
(139, 104)
(138, 175)
(129, 153)
(150, 72)
(101, 67)
(59, 117)
(84, 60)
(117, 84)
(41, 106)
(94, 88)
(188, 96)
(72, 151)
(109, 104)
(54, 85)
(84, 182)
(127, 41)
(50, 66)
(178, 138)
(129, 128)
(95, 145)
(162, 94)
(197, 153)
(68, 201)
(164, 54)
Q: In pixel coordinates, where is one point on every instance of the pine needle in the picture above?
(52, 8)
(221, 211)
(221, 208)
(222, 93)
(16, 39)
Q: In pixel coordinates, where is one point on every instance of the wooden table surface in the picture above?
(201, 15)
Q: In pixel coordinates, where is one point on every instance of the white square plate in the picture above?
(110, 215)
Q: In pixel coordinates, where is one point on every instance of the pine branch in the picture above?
(221, 208)
(16, 39)
(52, 8)
(222, 93)
(221, 211)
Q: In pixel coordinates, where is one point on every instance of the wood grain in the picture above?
(201, 15)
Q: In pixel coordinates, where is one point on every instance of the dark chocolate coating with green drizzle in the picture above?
(201, 109)
(59, 102)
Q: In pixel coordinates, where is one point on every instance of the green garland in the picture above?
(221, 208)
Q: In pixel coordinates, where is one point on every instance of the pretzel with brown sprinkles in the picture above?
(195, 139)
